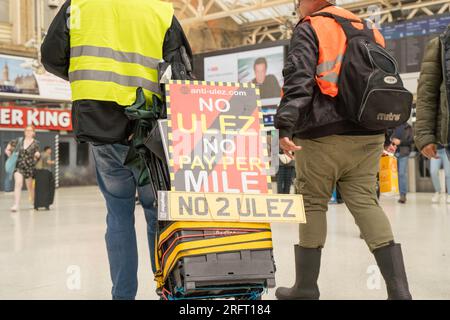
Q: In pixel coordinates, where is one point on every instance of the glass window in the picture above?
(4, 11)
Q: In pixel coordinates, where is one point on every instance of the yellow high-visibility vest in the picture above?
(115, 47)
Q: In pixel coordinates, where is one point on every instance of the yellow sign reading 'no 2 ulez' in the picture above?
(188, 206)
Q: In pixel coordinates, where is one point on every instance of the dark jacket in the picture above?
(305, 112)
(433, 94)
(405, 134)
(99, 121)
(270, 88)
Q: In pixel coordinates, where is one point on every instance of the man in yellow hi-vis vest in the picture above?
(107, 49)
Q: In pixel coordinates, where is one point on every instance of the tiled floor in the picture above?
(61, 254)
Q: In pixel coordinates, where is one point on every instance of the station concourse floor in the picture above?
(61, 253)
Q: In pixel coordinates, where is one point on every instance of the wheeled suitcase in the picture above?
(206, 260)
(44, 191)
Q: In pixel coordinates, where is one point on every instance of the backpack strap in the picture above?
(19, 144)
(346, 24)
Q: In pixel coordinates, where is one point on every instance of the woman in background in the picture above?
(26, 161)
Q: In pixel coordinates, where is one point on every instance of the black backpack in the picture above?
(370, 90)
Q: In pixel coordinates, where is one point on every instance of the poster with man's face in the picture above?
(262, 67)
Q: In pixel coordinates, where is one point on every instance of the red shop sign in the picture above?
(40, 118)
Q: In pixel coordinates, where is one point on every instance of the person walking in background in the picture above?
(403, 138)
(28, 153)
(435, 165)
(285, 175)
(432, 107)
(45, 161)
(45, 183)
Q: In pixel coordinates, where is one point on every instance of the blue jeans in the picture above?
(118, 184)
(435, 166)
(403, 174)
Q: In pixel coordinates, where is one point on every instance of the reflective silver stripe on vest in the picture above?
(331, 77)
(328, 65)
(108, 76)
(120, 56)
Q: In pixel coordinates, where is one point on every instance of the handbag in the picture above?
(388, 175)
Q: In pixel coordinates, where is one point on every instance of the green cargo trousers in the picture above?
(351, 163)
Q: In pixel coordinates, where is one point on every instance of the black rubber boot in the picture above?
(307, 266)
(390, 262)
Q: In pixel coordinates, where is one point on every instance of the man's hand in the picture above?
(430, 151)
(8, 151)
(288, 146)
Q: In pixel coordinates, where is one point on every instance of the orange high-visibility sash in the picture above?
(332, 46)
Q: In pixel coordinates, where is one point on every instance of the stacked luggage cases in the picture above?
(207, 260)
(210, 260)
